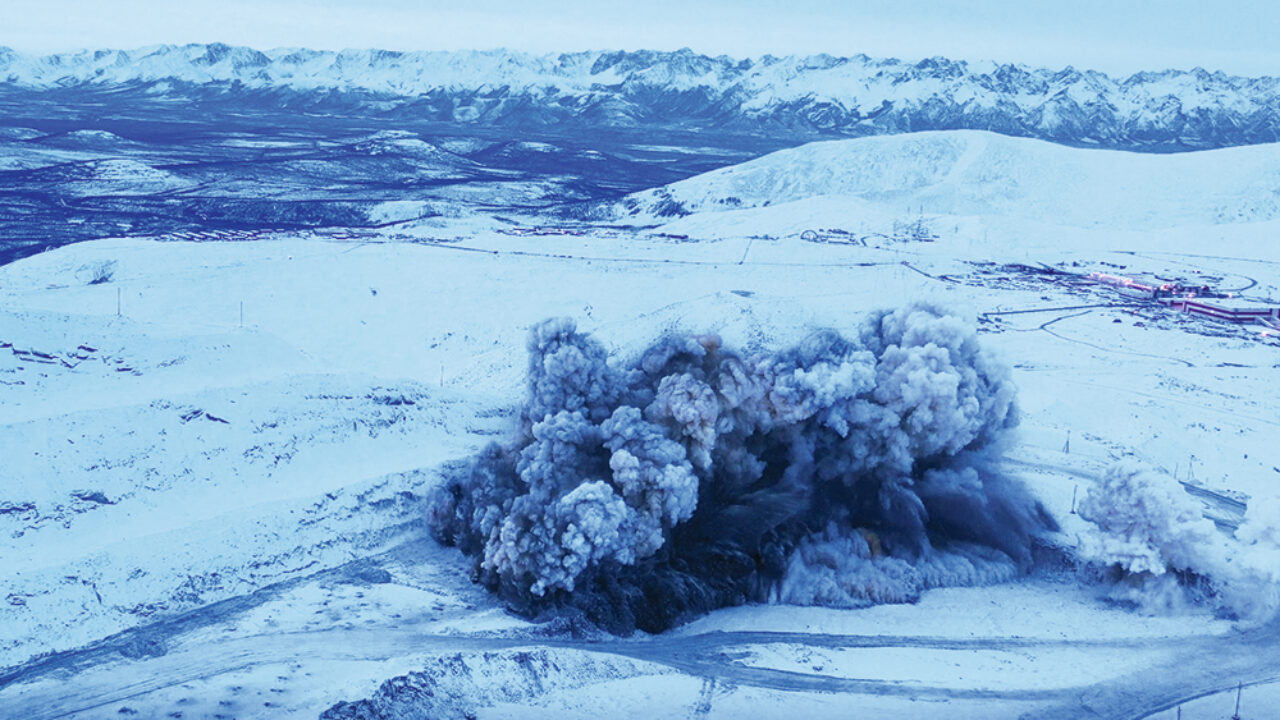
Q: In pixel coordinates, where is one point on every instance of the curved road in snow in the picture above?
(1194, 667)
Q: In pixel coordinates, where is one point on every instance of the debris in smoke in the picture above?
(841, 471)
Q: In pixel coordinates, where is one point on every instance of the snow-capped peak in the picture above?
(814, 95)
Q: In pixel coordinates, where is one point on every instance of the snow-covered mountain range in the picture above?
(811, 96)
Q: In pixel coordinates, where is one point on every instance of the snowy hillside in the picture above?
(818, 95)
(972, 173)
(221, 453)
(283, 463)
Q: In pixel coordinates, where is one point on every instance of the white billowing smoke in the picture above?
(1256, 591)
(1165, 556)
(1147, 524)
(837, 472)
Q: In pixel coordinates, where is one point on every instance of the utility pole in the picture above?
(1239, 689)
(117, 302)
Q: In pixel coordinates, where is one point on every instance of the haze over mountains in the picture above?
(797, 97)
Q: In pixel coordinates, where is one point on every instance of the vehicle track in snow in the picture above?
(657, 261)
(1203, 668)
(1249, 284)
(118, 679)
(1045, 327)
(1193, 255)
(47, 693)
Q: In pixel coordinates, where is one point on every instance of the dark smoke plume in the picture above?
(837, 472)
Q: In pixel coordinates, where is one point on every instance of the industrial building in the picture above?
(1234, 310)
(1202, 300)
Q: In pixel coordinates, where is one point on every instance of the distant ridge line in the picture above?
(809, 97)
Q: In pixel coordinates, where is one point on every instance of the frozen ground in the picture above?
(209, 516)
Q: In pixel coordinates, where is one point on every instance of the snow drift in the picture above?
(838, 472)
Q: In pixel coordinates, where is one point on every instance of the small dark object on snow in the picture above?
(94, 496)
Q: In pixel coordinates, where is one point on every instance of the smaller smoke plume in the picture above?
(1162, 554)
(1256, 592)
(1152, 536)
(841, 471)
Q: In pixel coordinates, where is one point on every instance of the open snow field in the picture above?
(214, 464)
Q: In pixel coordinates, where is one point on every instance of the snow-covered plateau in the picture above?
(216, 452)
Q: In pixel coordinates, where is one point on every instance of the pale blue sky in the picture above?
(1118, 36)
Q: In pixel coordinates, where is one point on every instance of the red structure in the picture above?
(1201, 300)
(1227, 310)
(1149, 288)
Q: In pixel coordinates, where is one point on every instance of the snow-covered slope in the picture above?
(977, 173)
(819, 94)
(182, 458)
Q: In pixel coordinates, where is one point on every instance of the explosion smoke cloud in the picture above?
(840, 471)
(1159, 552)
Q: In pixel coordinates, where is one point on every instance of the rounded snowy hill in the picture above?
(981, 173)
(94, 178)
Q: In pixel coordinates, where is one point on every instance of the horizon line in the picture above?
(685, 50)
